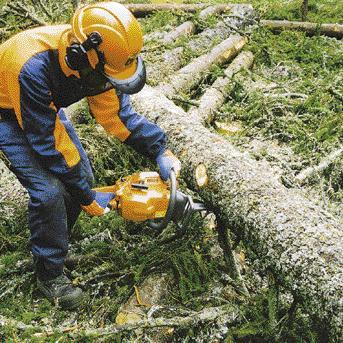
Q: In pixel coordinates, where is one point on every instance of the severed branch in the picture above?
(332, 30)
(307, 173)
(44, 9)
(209, 314)
(233, 270)
(211, 10)
(23, 12)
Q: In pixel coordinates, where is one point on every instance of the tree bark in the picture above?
(214, 97)
(290, 234)
(331, 30)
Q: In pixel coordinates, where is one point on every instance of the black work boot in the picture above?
(61, 291)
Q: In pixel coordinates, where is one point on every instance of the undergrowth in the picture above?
(306, 109)
(292, 95)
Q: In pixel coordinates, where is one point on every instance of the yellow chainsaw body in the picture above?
(140, 196)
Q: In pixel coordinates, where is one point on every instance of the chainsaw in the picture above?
(145, 197)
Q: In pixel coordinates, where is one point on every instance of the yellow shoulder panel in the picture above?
(15, 52)
(105, 108)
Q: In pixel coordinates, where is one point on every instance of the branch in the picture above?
(23, 12)
(185, 29)
(209, 314)
(45, 10)
(307, 173)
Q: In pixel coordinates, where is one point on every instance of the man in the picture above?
(43, 70)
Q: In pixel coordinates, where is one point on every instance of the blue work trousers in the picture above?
(52, 211)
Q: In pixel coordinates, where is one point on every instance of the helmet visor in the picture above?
(132, 84)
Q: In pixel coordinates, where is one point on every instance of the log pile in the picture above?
(241, 18)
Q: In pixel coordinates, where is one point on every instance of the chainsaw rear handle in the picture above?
(161, 224)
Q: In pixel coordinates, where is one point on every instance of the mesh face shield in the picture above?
(132, 84)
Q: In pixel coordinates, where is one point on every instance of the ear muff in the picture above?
(76, 55)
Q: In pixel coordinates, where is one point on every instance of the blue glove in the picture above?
(99, 206)
(166, 162)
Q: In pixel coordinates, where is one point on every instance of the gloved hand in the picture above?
(166, 162)
(99, 206)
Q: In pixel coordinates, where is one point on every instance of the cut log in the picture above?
(307, 173)
(191, 74)
(331, 30)
(214, 97)
(141, 10)
(291, 235)
(211, 10)
(184, 29)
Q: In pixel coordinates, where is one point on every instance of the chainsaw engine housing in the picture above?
(144, 196)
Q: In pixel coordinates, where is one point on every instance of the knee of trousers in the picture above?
(47, 194)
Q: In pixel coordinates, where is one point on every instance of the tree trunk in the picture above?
(192, 73)
(331, 30)
(291, 235)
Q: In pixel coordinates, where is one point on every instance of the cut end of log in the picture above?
(201, 175)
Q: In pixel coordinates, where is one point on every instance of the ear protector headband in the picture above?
(76, 56)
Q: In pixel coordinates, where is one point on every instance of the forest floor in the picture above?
(287, 109)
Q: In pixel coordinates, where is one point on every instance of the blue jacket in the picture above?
(36, 84)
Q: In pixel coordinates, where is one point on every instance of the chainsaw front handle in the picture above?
(161, 224)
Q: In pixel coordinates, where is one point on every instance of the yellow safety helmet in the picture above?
(109, 37)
